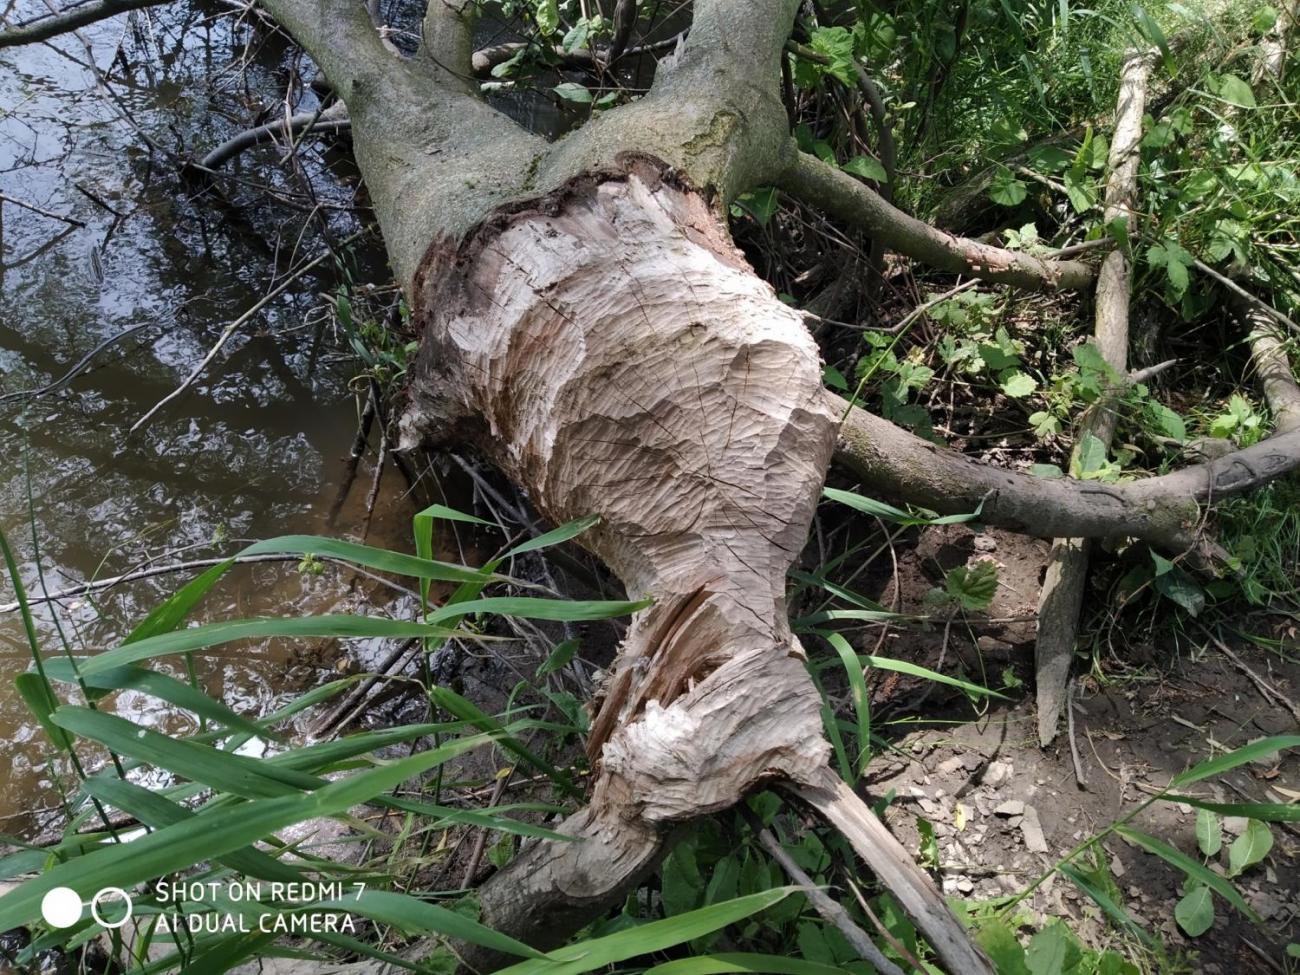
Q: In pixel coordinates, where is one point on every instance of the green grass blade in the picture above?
(156, 684)
(596, 953)
(1271, 812)
(213, 634)
(453, 703)
(556, 535)
(380, 559)
(1114, 911)
(414, 916)
(38, 695)
(1247, 753)
(1192, 868)
(861, 699)
(179, 847)
(219, 770)
(914, 670)
(171, 613)
(156, 812)
(533, 608)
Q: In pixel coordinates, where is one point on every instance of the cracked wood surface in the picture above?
(612, 352)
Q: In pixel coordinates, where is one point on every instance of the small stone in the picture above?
(985, 543)
(990, 644)
(965, 885)
(1012, 807)
(1035, 841)
(1117, 866)
(1236, 825)
(996, 774)
(950, 766)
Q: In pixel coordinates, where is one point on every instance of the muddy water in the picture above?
(254, 448)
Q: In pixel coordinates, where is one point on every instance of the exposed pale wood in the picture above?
(910, 885)
(1062, 594)
(610, 350)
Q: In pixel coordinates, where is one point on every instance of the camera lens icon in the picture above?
(111, 907)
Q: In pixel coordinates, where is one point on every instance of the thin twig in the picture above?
(234, 326)
(1069, 727)
(834, 913)
(1271, 694)
(1242, 293)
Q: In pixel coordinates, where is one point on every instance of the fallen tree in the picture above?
(587, 322)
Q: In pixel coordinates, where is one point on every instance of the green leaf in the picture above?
(413, 916)
(1190, 867)
(1167, 421)
(571, 91)
(1269, 812)
(1018, 385)
(1195, 912)
(1107, 903)
(867, 168)
(548, 16)
(1250, 847)
(1264, 20)
(595, 953)
(1090, 455)
(681, 886)
(1236, 92)
(379, 559)
(559, 658)
(1003, 947)
(1049, 472)
(555, 536)
(1175, 584)
(159, 685)
(1006, 189)
(975, 586)
(1052, 951)
(170, 613)
(1209, 832)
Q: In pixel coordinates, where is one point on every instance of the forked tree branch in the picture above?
(838, 194)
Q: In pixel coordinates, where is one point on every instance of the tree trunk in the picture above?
(609, 348)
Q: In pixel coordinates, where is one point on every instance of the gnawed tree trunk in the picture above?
(588, 323)
(609, 348)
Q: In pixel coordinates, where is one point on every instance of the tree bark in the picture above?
(1061, 597)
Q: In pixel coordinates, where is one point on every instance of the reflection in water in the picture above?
(251, 450)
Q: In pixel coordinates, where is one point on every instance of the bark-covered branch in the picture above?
(333, 119)
(339, 37)
(840, 195)
(1061, 597)
(67, 21)
(1159, 510)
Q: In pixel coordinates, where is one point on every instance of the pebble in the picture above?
(1035, 841)
(985, 543)
(950, 766)
(996, 774)
(1012, 807)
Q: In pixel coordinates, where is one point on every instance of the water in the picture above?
(253, 449)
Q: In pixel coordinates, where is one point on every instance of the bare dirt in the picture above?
(1004, 811)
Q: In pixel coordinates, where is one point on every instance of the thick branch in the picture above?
(340, 38)
(1160, 510)
(842, 196)
(70, 20)
(1061, 597)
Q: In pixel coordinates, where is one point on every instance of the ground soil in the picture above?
(1004, 810)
